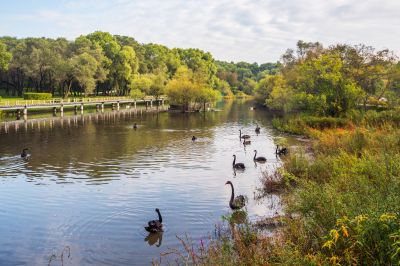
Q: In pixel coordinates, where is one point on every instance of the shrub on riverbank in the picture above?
(300, 124)
(37, 96)
(355, 173)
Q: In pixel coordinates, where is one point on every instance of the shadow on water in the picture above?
(154, 238)
(93, 181)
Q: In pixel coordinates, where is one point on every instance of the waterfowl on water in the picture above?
(237, 165)
(257, 129)
(246, 142)
(194, 138)
(155, 226)
(281, 151)
(24, 153)
(260, 158)
(134, 126)
(243, 136)
(238, 202)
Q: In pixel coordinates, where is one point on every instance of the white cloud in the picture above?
(250, 30)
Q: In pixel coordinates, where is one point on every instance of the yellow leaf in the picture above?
(328, 244)
(387, 217)
(334, 234)
(334, 259)
(345, 232)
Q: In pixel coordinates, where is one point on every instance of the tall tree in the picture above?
(5, 57)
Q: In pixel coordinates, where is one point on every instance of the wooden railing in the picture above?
(8, 103)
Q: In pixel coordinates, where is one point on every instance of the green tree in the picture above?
(265, 86)
(5, 57)
(125, 67)
(323, 75)
(181, 90)
(157, 87)
(142, 82)
(207, 95)
(137, 94)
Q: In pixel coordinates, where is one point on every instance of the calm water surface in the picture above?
(93, 182)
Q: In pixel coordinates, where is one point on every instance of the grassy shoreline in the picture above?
(341, 203)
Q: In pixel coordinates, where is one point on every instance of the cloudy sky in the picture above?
(232, 30)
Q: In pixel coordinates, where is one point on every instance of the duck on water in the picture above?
(25, 154)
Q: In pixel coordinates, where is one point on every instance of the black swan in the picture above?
(260, 158)
(243, 136)
(155, 225)
(238, 202)
(24, 153)
(281, 151)
(237, 165)
(257, 129)
(194, 138)
(134, 126)
(246, 142)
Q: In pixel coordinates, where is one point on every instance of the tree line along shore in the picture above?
(101, 64)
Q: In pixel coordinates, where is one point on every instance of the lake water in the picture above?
(93, 182)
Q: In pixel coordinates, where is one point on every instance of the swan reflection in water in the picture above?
(153, 238)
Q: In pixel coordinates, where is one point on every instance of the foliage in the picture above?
(347, 195)
(136, 94)
(241, 95)
(37, 96)
(331, 81)
(223, 87)
(5, 57)
(101, 64)
(364, 240)
(244, 76)
(302, 123)
(185, 88)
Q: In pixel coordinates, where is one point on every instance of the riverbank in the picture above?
(341, 203)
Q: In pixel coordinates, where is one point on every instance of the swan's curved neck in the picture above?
(240, 134)
(255, 153)
(232, 195)
(159, 216)
(234, 160)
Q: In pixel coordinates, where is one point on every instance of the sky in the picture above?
(232, 30)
